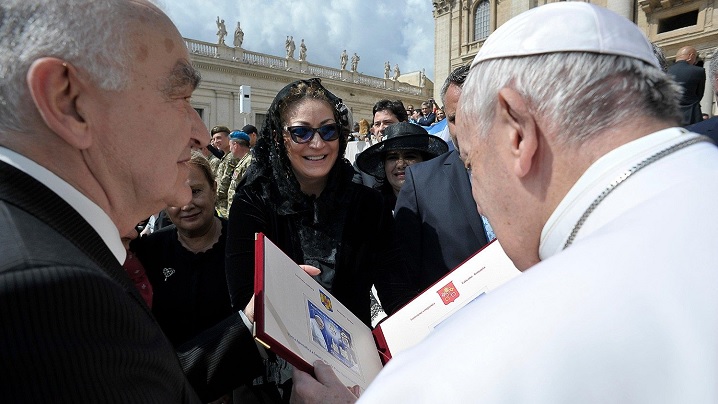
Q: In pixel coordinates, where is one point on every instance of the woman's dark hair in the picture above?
(270, 153)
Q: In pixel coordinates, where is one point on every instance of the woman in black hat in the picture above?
(405, 144)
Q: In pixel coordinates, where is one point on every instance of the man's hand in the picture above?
(327, 388)
(249, 309)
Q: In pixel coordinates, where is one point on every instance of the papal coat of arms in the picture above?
(448, 293)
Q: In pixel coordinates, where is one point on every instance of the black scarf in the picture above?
(317, 222)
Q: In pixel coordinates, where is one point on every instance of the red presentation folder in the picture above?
(481, 273)
(301, 322)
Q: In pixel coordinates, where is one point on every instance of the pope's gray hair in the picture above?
(90, 34)
(576, 94)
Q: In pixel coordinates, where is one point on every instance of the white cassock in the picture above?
(627, 314)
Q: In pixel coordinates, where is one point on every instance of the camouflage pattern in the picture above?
(237, 176)
(224, 178)
(213, 163)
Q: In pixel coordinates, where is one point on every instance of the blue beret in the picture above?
(238, 134)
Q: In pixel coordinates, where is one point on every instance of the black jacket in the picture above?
(366, 253)
(437, 222)
(693, 80)
(73, 328)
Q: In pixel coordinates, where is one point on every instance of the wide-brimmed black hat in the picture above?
(400, 136)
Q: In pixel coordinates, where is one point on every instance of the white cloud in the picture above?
(398, 31)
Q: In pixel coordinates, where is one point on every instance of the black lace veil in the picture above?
(270, 154)
(319, 221)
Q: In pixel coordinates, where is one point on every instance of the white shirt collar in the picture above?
(93, 214)
(594, 181)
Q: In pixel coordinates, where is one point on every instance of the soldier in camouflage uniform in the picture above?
(220, 140)
(239, 147)
(213, 161)
(224, 178)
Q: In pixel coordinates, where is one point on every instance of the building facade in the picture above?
(462, 26)
(239, 85)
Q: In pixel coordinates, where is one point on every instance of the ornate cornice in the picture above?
(442, 7)
(239, 70)
(649, 6)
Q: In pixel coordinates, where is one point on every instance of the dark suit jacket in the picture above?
(73, 328)
(437, 223)
(693, 80)
(709, 127)
(427, 120)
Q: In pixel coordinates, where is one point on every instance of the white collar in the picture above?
(93, 214)
(594, 181)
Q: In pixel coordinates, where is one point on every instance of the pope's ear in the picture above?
(523, 133)
(55, 87)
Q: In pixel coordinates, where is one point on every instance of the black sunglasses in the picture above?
(304, 134)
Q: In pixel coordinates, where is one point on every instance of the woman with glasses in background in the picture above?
(405, 144)
(299, 193)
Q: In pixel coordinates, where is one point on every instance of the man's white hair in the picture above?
(90, 34)
(577, 94)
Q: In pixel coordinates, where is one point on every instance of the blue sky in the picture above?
(398, 31)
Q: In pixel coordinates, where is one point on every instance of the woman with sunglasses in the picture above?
(299, 193)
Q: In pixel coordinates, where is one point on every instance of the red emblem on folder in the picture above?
(448, 293)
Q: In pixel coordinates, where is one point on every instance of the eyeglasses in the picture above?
(304, 134)
(409, 156)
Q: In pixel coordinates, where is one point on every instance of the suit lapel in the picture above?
(454, 168)
(28, 194)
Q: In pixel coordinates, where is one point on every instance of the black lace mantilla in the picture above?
(318, 221)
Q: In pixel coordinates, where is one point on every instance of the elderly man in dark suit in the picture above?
(79, 93)
(709, 127)
(435, 213)
(693, 80)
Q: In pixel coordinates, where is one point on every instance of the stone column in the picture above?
(621, 7)
(519, 6)
(707, 105)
